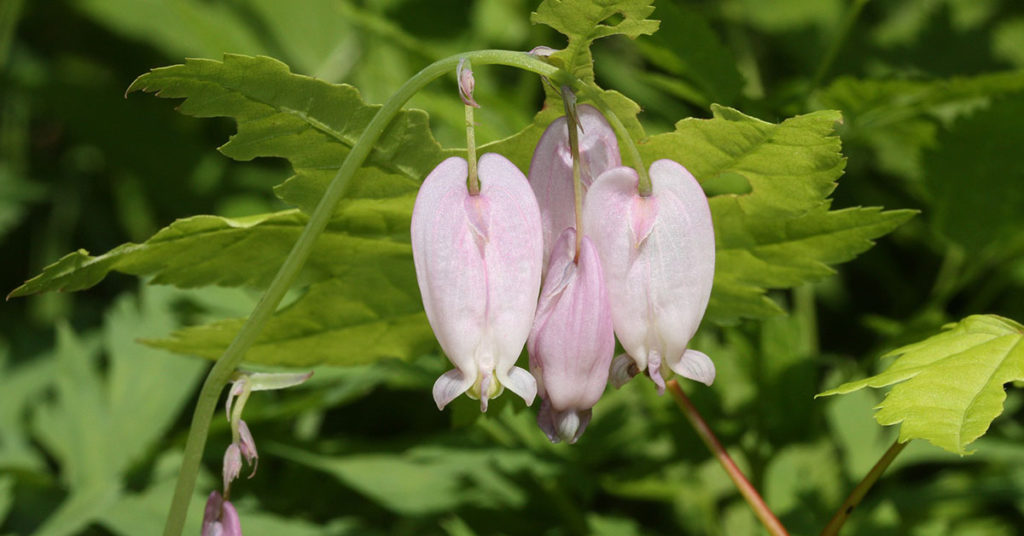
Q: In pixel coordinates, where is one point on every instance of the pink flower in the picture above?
(572, 341)
(220, 517)
(478, 264)
(551, 168)
(658, 255)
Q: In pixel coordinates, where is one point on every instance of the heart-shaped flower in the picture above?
(478, 264)
(658, 255)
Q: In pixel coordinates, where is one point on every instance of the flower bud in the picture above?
(232, 465)
(551, 168)
(478, 265)
(220, 517)
(467, 83)
(572, 340)
(658, 255)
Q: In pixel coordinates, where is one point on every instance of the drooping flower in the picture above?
(572, 341)
(220, 517)
(551, 168)
(658, 255)
(478, 265)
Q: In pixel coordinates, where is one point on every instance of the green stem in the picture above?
(572, 122)
(746, 489)
(858, 493)
(644, 184)
(226, 364)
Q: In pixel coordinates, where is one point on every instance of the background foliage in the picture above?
(931, 94)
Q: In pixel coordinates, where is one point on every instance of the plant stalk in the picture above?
(753, 498)
(232, 357)
(858, 493)
(572, 121)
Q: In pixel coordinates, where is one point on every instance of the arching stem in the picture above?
(232, 357)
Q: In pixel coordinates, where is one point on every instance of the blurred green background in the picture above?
(92, 424)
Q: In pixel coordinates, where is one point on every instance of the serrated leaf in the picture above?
(212, 250)
(949, 387)
(899, 119)
(370, 314)
(584, 21)
(309, 122)
(780, 233)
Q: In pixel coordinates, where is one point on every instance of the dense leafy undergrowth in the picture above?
(801, 119)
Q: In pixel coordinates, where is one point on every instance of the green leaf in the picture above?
(372, 313)
(949, 387)
(309, 122)
(584, 21)
(974, 178)
(211, 250)
(97, 426)
(432, 479)
(899, 119)
(688, 47)
(776, 231)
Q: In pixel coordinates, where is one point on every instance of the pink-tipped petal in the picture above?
(695, 366)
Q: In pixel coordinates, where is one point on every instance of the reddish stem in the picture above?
(746, 489)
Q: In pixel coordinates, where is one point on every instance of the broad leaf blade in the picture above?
(773, 229)
(949, 387)
(212, 250)
(309, 122)
(370, 314)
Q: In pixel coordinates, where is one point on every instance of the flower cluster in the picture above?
(614, 261)
(220, 517)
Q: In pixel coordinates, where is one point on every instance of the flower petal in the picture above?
(551, 169)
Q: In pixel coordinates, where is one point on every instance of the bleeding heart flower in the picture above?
(551, 168)
(478, 264)
(572, 341)
(658, 255)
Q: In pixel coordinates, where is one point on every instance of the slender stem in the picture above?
(849, 19)
(753, 498)
(225, 365)
(644, 184)
(572, 121)
(858, 493)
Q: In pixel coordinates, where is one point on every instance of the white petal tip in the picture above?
(623, 369)
(565, 425)
(522, 383)
(695, 366)
(449, 386)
